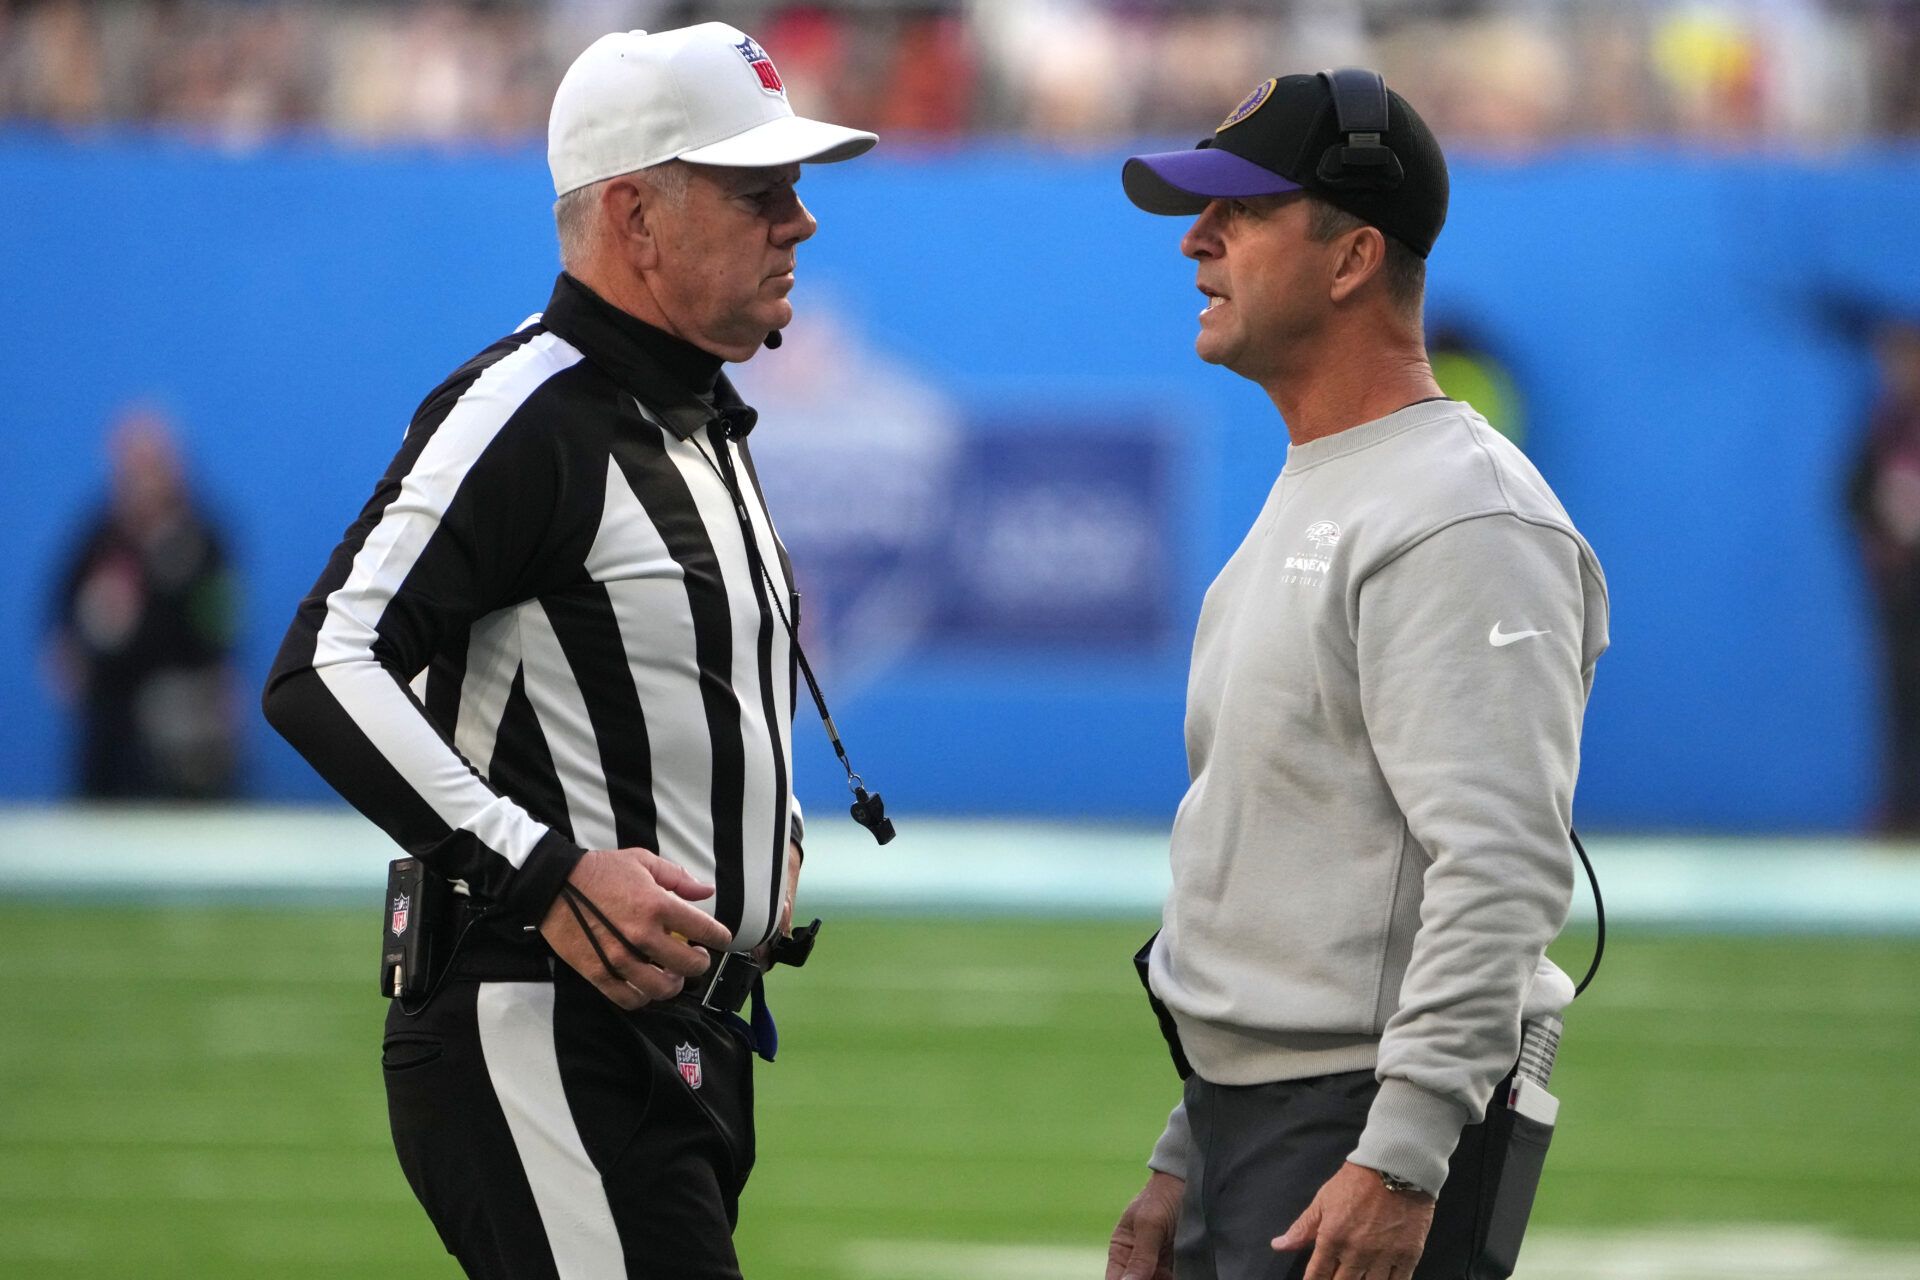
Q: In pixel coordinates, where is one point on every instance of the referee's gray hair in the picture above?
(573, 212)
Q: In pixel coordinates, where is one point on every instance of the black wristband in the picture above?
(537, 883)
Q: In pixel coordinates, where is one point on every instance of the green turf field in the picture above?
(196, 1092)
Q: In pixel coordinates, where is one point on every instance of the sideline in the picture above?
(937, 865)
(1718, 1252)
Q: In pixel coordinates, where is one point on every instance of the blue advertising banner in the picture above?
(1061, 539)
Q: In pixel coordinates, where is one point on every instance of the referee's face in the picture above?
(727, 255)
(1264, 283)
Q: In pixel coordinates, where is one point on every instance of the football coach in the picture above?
(1383, 724)
(553, 658)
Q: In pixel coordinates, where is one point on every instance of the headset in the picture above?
(1361, 162)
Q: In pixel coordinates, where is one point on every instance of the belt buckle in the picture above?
(728, 982)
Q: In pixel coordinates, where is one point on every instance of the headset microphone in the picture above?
(773, 340)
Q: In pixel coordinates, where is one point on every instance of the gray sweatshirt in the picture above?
(1383, 729)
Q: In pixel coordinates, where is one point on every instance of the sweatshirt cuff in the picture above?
(1172, 1154)
(537, 883)
(1411, 1134)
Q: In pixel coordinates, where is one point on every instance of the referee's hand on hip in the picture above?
(648, 900)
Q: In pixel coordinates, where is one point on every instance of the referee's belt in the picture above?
(734, 976)
(487, 956)
(725, 986)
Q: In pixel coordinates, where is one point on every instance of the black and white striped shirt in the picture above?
(545, 633)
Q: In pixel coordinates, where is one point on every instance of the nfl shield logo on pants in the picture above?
(689, 1058)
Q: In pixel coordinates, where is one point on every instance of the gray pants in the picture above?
(1260, 1153)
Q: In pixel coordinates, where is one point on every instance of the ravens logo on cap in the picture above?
(1248, 105)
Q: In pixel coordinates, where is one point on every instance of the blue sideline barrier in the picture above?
(1684, 328)
(273, 854)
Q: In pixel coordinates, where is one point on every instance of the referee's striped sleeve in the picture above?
(455, 530)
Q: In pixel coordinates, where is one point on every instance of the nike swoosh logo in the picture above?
(1501, 639)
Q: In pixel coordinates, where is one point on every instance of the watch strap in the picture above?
(1400, 1185)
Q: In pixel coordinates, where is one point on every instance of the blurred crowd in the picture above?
(1505, 73)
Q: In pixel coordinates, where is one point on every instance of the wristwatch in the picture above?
(1400, 1184)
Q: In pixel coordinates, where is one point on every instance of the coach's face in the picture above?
(1263, 278)
(726, 253)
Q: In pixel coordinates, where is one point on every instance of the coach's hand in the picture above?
(650, 901)
(1356, 1227)
(1142, 1244)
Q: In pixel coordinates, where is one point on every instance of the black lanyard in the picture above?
(868, 809)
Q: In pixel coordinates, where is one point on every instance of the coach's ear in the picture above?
(1357, 257)
(630, 209)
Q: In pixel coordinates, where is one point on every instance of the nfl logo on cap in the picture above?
(762, 66)
(635, 99)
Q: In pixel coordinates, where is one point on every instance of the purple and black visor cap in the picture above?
(1182, 182)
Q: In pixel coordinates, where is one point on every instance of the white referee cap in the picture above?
(707, 93)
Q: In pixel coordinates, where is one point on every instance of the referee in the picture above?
(553, 659)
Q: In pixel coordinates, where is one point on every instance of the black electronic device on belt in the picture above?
(416, 901)
(794, 948)
(1477, 1236)
(1481, 1217)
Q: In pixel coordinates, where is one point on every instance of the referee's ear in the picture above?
(631, 212)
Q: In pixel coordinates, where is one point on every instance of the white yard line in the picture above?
(1668, 1253)
(1714, 1253)
(939, 1260)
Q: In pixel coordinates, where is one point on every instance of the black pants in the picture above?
(1261, 1153)
(552, 1136)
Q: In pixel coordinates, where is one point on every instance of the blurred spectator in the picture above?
(1892, 29)
(1502, 73)
(1468, 370)
(1886, 506)
(1711, 62)
(143, 630)
(50, 63)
